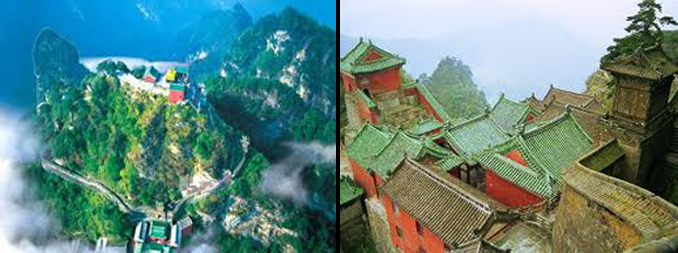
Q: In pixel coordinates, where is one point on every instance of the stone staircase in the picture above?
(403, 115)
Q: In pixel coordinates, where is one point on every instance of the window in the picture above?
(447, 248)
(420, 229)
(400, 232)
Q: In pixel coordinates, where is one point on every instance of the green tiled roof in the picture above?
(603, 156)
(394, 152)
(507, 113)
(366, 99)
(476, 134)
(182, 70)
(426, 93)
(516, 173)
(353, 61)
(367, 144)
(425, 126)
(651, 63)
(176, 86)
(432, 148)
(450, 162)
(158, 230)
(548, 148)
(348, 190)
(557, 144)
(409, 85)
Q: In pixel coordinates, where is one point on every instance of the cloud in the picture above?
(284, 180)
(592, 21)
(25, 225)
(201, 243)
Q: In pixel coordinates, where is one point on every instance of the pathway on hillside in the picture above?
(74, 177)
(245, 143)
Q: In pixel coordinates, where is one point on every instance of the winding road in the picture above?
(245, 146)
(74, 177)
(104, 190)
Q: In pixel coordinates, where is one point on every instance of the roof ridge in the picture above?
(469, 121)
(353, 49)
(572, 92)
(392, 140)
(516, 165)
(529, 156)
(551, 123)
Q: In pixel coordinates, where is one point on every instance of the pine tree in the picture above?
(644, 30)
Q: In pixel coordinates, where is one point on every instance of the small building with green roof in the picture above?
(509, 114)
(528, 168)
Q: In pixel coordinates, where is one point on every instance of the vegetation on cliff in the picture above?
(452, 82)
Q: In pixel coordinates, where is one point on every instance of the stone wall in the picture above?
(582, 225)
(379, 228)
(352, 226)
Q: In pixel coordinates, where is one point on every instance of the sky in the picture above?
(517, 47)
(138, 28)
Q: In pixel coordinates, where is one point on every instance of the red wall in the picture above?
(516, 157)
(349, 83)
(176, 96)
(506, 192)
(363, 178)
(422, 100)
(369, 114)
(371, 57)
(411, 239)
(383, 81)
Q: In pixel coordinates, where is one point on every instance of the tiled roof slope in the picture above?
(348, 190)
(435, 104)
(557, 144)
(547, 149)
(446, 209)
(425, 126)
(366, 99)
(476, 134)
(524, 177)
(450, 162)
(566, 97)
(508, 114)
(603, 156)
(380, 151)
(589, 120)
(649, 214)
(395, 151)
(651, 63)
(534, 102)
(369, 141)
(354, 63)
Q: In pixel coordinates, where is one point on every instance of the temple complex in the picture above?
(561, 173)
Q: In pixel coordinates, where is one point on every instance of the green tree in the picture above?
(644, 30)
(452, 84)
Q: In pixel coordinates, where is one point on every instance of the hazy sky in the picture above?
(516, 46)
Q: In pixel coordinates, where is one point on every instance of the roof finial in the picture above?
(361, 39)
(501, 94)
(521, 129)
(567, 109)
(487, 109)
(369, 41)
